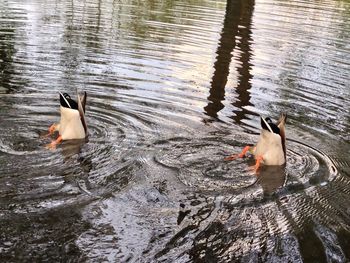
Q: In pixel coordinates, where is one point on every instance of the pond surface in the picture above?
(173, 88)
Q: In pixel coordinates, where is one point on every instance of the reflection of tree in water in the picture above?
(244, 68)
(307, 66)
(39, 237)
(249, 228)
(137, 20)
(7, 49)
(160, 21)
(236, 26)
(82, 38)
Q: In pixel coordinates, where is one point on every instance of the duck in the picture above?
(270, 149)
(72, 123)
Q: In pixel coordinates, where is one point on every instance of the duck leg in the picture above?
(240, 155)
(53, 144)
(54, 127)
(259, 159)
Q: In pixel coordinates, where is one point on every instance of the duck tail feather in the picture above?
(81, 110)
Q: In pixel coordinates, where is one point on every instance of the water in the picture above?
(173, 88)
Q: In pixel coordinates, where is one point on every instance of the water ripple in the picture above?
(98, 166)
(201, 165)
(173, 88)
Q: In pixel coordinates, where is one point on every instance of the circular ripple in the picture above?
(200, 164)
(34, 177)
(308, 166)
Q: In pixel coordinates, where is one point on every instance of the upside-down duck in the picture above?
(72, 123)
(271, 146)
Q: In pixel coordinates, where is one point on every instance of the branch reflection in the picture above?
(236, 33)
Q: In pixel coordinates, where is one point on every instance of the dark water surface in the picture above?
(173, 88)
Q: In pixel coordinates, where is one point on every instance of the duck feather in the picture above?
(81, 109)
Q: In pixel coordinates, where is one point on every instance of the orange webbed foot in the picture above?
(52, 130)
(257, 165)
(53, 144)
(240, 155)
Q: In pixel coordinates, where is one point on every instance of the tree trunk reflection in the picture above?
(236, 33)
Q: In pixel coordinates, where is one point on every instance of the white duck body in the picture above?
(71, 126)
(272, 142)
(270, 148)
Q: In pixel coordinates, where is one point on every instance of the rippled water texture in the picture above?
(173, 88)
